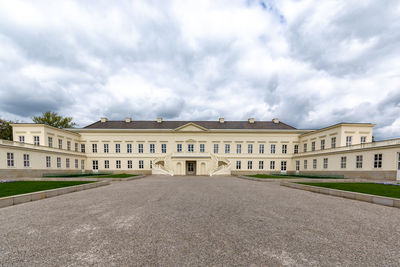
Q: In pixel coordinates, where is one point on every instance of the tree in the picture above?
(5, 130)
(55, 120)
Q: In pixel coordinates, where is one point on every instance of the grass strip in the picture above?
(269, 176)
(119, 175)
(385, 190)
(23, 187)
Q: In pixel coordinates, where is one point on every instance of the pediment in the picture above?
(191, 127)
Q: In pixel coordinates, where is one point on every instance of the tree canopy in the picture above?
(55, 120)
(5, 130)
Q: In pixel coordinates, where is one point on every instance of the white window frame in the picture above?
(343, 162)
(202, 148)
(106, 164)
(106, 148)
(163, 148)
(238, 165)
(95, 164)
(296, 149)
(68, 145)
(283, 165)
(249, 165)
(216, 148)
(83, 148)
(261, 165)
(322, 144)
(359, 161)
(348, 140)
(67, 163)
(36, 140)
(191, 148)
(272, 165)
(333, 142)
(363, 139)
(21, 138)
(94, 148)
(60, 143)
(58, 162)
(118, 164)
(117, 148)
(313, 146)
(305, 147)
(140, 148)
(297, 165)
(76, 147)
(273, 148)
(129, 164)
(129, 148)
(141, 164)
(284, 149)
(50, 141)
(261, 149)
(227, 148)
(76, 164)
(152, 148)
(178, 147)
(314, 164)
(238, 148)
(26, 160)
(250, 149)
(325, 163)
(378, 159)
(305, 164)
(48, 162)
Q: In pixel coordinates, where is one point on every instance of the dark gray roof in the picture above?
(257, 125)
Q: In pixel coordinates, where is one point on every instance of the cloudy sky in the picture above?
(310, 63)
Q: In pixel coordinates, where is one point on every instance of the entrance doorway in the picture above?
(398, 166)
(190, 167)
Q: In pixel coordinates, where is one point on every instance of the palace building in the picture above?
(199, 148)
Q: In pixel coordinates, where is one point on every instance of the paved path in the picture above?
(175, 221)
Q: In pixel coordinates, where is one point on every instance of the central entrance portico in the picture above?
(190, 167)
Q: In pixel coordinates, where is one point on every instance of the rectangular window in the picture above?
(359, 161)
(106, 164)
(305, 148)
(48, 162)
(82, 164)
(118, 164)
(190, 147)
(58, 162)
(363, 139)
(305, 163)
(151, 164)
(297, 165)
(95, 164)
(106, 150)
(129, 164)
(215, 148)
(325, 163)
(378, 161)
(178, 147)
(284, 149)
(313, 146)
(238, 165)
(36, 141)
(261, 165)
(250, 148)
(202, 148)
(94, 148)
(333, 142)
(76, 147)
(272, 165)
(67, 163)
(164, 148)
(141, 165)
(152, 148)
(26, 160)
(129, 148)
(283, 165)
(76, 164)
(314, 164)
(273, 149)
(227, 148)
(323, 144)
(117, 148)
(83, 148)
(348, 140)
(296, 149)
(343, 161)
(261, 149)
(140, 148)
(68, 145)
(60, 143)
(249, 165)
(50, 141)
(22, 139)
(238, 148)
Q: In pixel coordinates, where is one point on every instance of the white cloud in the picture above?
(310, 63)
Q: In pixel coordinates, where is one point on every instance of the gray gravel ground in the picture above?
(175, 221)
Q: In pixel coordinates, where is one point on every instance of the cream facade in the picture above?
(199, 148)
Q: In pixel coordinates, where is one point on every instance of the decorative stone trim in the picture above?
(380, 200)
(19, 199)
(79, 179)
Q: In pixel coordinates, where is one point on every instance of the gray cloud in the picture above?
(310, 64)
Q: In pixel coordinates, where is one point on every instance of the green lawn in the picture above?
(366, 188)
(271, 176)
(23, 187)
(120, 175)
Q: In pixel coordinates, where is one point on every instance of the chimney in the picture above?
(103, 119)
(221, 120)
(251, 120)
(127, 119)
(159, 120)
(275, 120)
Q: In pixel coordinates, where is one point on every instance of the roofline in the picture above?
(338, 125)
(173, 130)
(45, 125)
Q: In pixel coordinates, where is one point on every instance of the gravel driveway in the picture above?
(175, 221)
